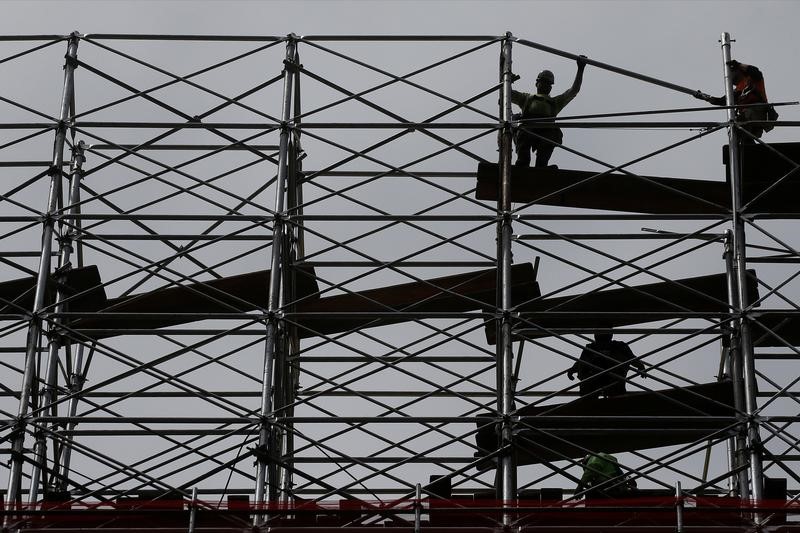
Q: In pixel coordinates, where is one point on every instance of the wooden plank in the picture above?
(701, 294)
(243, 292)
(455, 293)
(85, 281)
(765, 328)
(647, 419)
(613, 192)
(470, 291)
(761, 169)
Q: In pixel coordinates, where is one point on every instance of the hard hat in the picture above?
(547, 76)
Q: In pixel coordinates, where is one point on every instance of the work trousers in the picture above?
(542, 143)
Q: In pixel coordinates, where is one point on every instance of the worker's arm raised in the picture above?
(576, 84)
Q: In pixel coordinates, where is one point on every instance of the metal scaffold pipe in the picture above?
(737, 443)
(55, 341)
(76, 378)
(739, 250)
(43, 275)
(505, 397)
(610, 68)
(294, 253)
(266, 470)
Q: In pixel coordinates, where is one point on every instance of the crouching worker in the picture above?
(603, 478)
(541, 106)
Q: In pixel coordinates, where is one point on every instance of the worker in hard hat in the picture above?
(603, 478)
(749, 91)
(541, 107)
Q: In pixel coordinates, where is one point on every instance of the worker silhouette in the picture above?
(748, 90)
(541, 107)
(603, 478)
(603, 367)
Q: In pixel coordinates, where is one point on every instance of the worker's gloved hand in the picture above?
(582, 61)
(701, 96)
(514, 77)
(571, 375)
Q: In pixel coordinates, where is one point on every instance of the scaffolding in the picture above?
(297, 282)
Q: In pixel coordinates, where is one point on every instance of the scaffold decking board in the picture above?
(770, 179)
(613, 192)
(625, 306)
(776, 330)
(633, 421)
(243, 292)
(80, 286)
(457, 293)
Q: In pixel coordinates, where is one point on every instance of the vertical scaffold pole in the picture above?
(737, 443)
(740, 269)
(293, 254)
(266, 470)
(61, 468)
(55, 340)
(505, 399)
(35, 327)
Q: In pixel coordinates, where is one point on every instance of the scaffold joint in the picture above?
(76, 381)
(70, 61)
(55, 334)
(292, 66)
(62, 125)
(260, 452)
(274, 315)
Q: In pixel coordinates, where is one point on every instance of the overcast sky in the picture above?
(671, 40)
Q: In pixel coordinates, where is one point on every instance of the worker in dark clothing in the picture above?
(541, 106)
(748, 90)
(591, 363)
(603, 366)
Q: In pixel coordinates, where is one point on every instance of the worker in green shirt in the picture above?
(603, 478)
(538, 107)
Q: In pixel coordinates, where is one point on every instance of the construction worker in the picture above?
(603, 478)
(603, 367)
(748, 90)
(541, 106)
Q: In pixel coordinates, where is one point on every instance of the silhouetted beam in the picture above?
(635, 305)
(456, 293)
(244, 292)
(761, 169)
(633, 421)
(785, 326)
(613, 192)
(19, 292)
